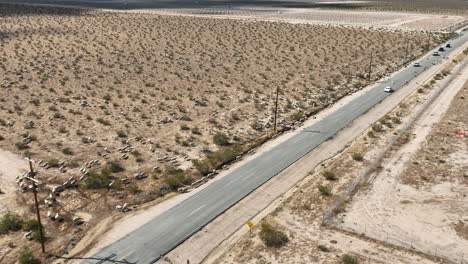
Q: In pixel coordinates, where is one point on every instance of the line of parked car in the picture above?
(389, 89)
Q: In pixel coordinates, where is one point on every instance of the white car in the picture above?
(435, 53)
(388, 89)
(417, 64)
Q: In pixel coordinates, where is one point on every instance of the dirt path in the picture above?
(10, 166)
(416, 218)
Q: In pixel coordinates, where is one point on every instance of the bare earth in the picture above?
(10, 166)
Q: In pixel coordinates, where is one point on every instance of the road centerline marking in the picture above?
(123, 258)
(196, 210)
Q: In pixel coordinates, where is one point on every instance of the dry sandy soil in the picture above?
(10, 165)
(80, 85)
(440, 221)
(419, 200)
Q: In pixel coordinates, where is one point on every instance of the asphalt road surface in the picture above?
(163, 233)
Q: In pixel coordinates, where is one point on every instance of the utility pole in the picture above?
(370, 68)
(276, 106)
(406, 52)
(31, 174)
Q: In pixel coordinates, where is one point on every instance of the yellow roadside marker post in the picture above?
(251, 225)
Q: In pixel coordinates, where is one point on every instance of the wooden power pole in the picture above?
(276, 107)
(32, 174)
(406, 51)
(370, 68)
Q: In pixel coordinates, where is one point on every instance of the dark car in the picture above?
(448, 45)
(441, 49)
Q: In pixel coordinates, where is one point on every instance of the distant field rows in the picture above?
(368, 19)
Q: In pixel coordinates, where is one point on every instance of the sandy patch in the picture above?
(11, 165)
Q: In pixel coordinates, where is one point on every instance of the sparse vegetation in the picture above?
(103, 121)
(323, 248)
(96, 180)
(297, 116)
(33, 225)
(272, 237)
(201, 166)
(121, 134)
(133, 188)
(67, 151)
(21, 146)
(324, 190)
(117, 98)
(349, 259)
(396, 120)
(196, 131)
(224, 156)
(357, 156)
(221, 139)
(53, 163)
(371, 134)
(26, 257)
(330, 176)
(176, 178)
(10, 222)
(115, 166)
(377, 127)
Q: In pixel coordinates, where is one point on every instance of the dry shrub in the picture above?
(272, 237)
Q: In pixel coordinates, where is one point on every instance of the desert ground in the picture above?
(118, 106)
(403, 213)
(419, 199)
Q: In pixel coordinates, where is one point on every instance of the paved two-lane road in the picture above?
(163, 233)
